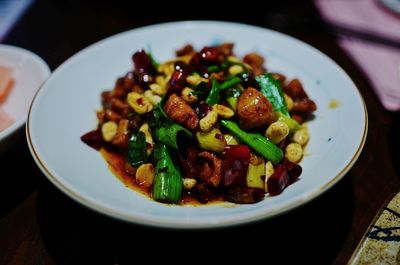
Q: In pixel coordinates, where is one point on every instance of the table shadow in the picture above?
(394, 139)
(311, 234)
(18, 175)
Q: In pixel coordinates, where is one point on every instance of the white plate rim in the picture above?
(236, 220)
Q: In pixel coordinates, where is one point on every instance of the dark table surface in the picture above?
(40, 225)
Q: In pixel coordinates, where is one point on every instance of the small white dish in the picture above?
(29, 71)
(64, 109)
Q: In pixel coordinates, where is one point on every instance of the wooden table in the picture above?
(40, 225)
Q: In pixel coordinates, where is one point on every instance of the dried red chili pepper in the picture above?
(285, 174)
(236, 162)
(278, 181)
(177, 82)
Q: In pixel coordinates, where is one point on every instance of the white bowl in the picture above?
(29, 72)
(64, 109)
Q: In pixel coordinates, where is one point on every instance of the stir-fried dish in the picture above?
(204, 126)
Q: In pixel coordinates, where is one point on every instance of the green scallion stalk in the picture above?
(272, 90)
(213, 97)
(291, 123)
(168, 182)
(230, 83)
(153, 61)
(213, 69)
(259, 143)
(137, 149)
(168, 133)
(232, 96)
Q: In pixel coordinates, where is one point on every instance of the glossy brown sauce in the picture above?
(116, 164)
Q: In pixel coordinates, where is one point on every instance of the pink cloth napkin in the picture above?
(378, 60)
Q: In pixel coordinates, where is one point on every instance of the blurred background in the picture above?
(40, 225)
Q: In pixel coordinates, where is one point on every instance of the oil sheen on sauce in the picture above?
(117, 166)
